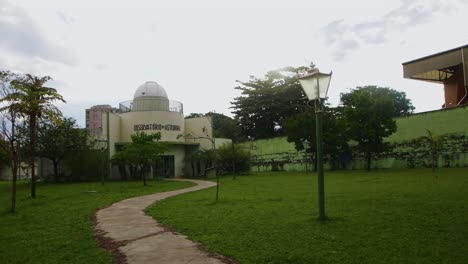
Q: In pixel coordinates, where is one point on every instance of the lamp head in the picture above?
(315, 84)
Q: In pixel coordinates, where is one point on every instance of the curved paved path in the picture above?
(141, 239)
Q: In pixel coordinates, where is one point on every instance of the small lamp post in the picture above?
(315, 86)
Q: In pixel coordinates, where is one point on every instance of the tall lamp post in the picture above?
(315, 86)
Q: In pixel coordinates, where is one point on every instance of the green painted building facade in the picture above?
(451, 124)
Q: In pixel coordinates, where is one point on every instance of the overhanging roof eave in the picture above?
(435, 55)
(438, 64)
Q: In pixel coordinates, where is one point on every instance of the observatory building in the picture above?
(151, 111)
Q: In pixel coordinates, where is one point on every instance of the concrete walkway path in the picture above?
(134, 237)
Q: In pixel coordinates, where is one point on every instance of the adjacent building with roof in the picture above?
(449, 68)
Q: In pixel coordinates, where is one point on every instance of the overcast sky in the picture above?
(99, 52)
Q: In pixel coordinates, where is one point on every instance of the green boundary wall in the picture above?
(452, 124)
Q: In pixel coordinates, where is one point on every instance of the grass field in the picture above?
(56, 227)
(406, 216)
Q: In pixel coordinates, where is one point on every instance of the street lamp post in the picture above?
(315, 86)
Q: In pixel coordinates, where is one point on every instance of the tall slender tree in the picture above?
(32, 100)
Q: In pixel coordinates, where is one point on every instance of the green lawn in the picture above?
(56, 227)
(404, 216)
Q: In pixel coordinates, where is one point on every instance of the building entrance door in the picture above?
(164, 167)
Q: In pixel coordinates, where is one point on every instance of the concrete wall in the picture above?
(114, 131)
(278, 154)
(440, 122)
(221, 141)
(199, 130)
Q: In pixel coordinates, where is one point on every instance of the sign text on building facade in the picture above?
(142, 127)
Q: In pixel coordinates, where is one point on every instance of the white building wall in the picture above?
(170, 124)
(179, 159)
(199, 130)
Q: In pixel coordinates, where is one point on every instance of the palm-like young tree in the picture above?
(435, 143)
(32, 100)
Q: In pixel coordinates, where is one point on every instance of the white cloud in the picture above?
(345, 37)
(21, 37)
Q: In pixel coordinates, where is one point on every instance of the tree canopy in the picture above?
(369, 112)
(56, 139)
(142, 152)
(223, 126)
(301, 130)
(30, 99)
(265, 103)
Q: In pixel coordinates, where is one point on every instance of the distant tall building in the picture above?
(94, 118)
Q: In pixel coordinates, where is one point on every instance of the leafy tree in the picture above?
(194, 159)
(55, 140)
(30, 99)
(266, 102)
(10, 150)
(201, 158)
(225, 127)
(369, 112)
(9, 124)
(207, 157)
(210, 138)
(300, 129)
(434, 143)
(142, 152)
(5, 159)
(195, 115)
(233, 158)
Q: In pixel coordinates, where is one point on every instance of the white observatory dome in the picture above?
(150, 89)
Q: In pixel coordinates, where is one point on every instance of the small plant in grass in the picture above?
(434, 143)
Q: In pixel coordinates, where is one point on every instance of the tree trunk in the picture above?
(32, 153)
(233, 161)
(217, 184)
(434, 158)
(56, 176)
(369, 158)
(193, 169)
(123, 172)
(14, 170)
(14, 162)
(143, 175)
(132, 172)
(315, 162)
(205, 167)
